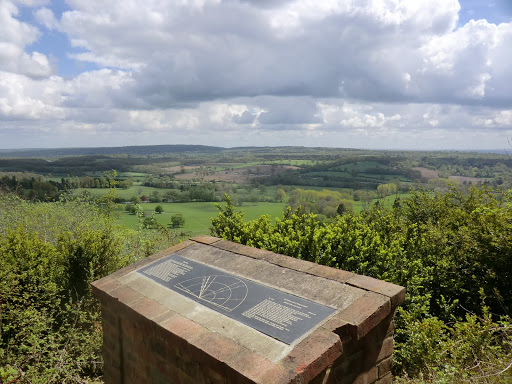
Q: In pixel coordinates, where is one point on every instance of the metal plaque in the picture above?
(275, 313)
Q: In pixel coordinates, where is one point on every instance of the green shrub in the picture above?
(448, 250)
(50, 330)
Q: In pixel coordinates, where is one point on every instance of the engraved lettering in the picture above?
(277, 315)
(168, 270)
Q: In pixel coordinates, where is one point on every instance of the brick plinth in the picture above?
(154, 335)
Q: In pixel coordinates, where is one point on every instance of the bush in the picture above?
(49, 254)
(449, 251)
(177, 220)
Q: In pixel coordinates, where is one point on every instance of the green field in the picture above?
(197, 215)
(127, 194)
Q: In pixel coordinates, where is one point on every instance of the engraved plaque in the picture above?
(275, 313)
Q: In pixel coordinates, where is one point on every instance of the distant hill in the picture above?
(138, 150)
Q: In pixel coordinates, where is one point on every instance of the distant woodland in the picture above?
(199, 173)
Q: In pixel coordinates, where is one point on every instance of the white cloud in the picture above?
(46, 17)
(258, 71)
(15, 36)
(189, 52)
(24, 98)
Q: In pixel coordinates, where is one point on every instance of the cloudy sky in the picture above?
(391, 74)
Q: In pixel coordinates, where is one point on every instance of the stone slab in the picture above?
(273, 312)
(319, 289)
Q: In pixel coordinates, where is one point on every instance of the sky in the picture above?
(376, 74)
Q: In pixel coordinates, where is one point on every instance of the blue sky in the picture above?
(428, 74)
(498, 11)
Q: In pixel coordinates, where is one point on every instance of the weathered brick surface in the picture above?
(254, 366)
(331, 273)
(384, 366)
(314, 354)
(147, 341)
(183, 327)
(240, 249)
(364, 355)
(205, 239)
(339, 326)
(148, 307)
(366, 312)
(126, 295)
(396, 293)
(387, 379)
(386, 349)
(279, 374)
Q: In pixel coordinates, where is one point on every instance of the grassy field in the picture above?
(197, 215)
(127, 194)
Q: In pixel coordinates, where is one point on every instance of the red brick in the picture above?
(240, 249)
(108, 317)
(279, 374)
(205, 239)
(391, 328)
(396, 293)
(183, 327)
(172, 347)
(105, 282)
(373, 374)
(175, 368)
(126, 294)
(387, 379)
(111, 340)
(348, 365)
(339, 326)
(365, 313)
(111, 374)
(251, 365)
(217, 346)
(293, 263)
(102, 289)
(148, 307)
(385, 366)
(132, 331)
(331, 273)
(163, 316)
(362, 378)
(314, 354)
(213, 376)
(386, 349)
(323, 377)
(112, 360)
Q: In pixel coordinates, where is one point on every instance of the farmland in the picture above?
(188, 180)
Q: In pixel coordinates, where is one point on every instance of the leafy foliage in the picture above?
(449, 250)
(177, 220)
(49, 254)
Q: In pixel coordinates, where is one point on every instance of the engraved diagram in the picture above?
(223, 291)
